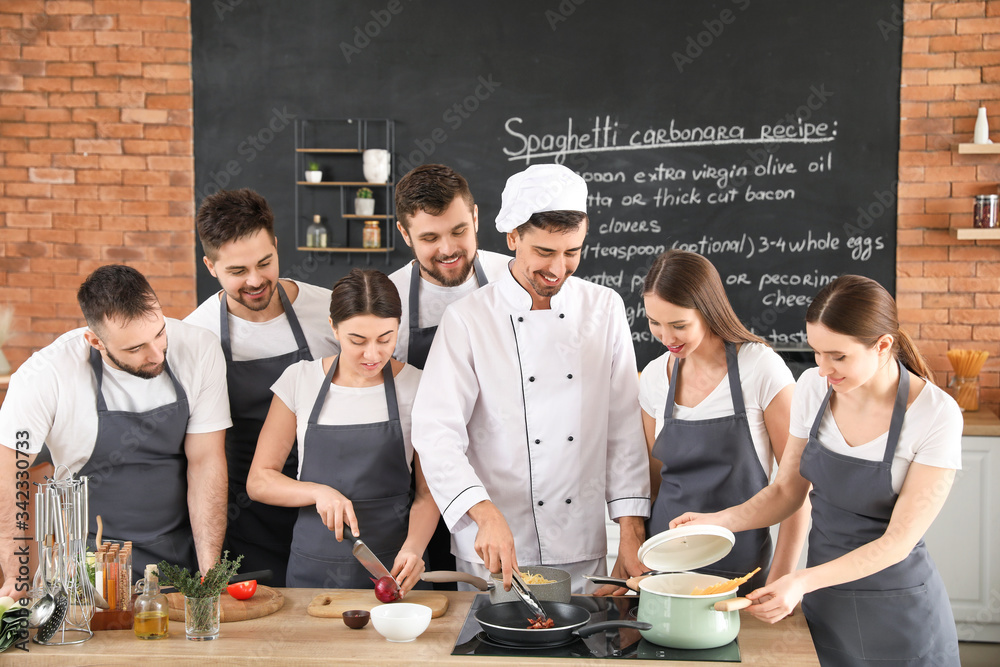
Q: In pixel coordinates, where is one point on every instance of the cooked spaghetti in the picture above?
(724, 586)
(531, 579)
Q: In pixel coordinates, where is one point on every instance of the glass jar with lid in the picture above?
(371, 237)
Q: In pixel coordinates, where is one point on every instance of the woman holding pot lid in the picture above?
(880, 445)
(351, 415)
(715, 413)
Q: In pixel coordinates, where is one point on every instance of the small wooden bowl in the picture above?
(356, 618)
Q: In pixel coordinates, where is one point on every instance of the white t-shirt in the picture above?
(931, 433)
(260, 340)
(299, 386)
(435, 298)
(762, 375)
(53, 395)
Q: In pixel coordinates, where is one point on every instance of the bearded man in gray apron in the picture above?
(264, 325)
(143, 421)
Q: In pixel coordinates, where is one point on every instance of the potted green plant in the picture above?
(314, 174)
(364, 202)
(201, 594)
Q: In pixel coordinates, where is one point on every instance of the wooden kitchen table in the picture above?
(292, 637)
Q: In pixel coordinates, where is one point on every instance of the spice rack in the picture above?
(338, 145)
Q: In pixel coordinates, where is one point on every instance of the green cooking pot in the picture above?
(682, 620)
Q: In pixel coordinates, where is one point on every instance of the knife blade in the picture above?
(371, 562)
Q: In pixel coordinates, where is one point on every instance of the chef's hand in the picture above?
(695, 519)
(335, 510)
(776, 600)
(633, 533)
(494, 541)
(406, 569)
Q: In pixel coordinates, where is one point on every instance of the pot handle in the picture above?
(733, 604)
(445, 577)
(588, 630)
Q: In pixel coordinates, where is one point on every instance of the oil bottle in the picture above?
(151, 608)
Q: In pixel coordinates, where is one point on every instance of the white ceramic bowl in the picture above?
(401, 621)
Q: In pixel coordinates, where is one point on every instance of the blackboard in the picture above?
(761, 134)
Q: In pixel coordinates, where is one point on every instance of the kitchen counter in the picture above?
(981, 422)
(292, 637)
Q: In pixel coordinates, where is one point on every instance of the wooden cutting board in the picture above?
(265, 601)
(332, 604)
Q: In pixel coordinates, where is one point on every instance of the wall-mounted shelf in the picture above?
(336, 145)
(364, 250)
(347, 183)
(975, 234)
(979, 149)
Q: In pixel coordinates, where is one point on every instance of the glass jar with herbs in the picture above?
(201, 594)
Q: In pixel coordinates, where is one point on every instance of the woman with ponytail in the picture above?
(880, 444)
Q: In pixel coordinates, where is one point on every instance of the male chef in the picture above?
(143, 420)
(527, 412)
(438, 219)
(264, 325)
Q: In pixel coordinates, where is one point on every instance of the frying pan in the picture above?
(508, 622)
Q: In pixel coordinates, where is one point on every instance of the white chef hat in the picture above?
(539, 188)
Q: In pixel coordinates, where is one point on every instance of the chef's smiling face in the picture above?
(844, 361)
(543, 260)
(247, 270)
(366, 343)
(681, 329)
(444, 245)
(138, 347)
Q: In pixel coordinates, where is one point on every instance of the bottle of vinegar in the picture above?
(151, 608)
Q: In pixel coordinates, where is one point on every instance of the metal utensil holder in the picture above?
(61, 532)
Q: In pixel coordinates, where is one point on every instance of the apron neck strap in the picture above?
(733, 369)
(293, 322)
(733, 372)
(898, 413)
(480, 273)
(97, 364)
(388, 384)
(415, 295)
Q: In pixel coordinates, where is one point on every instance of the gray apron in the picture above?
(138, 478)
(421, 338)
(709, 465)
(900, 615)
(366, 463)
(439, 556)
(262, 533)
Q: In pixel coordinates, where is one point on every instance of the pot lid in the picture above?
(686, 548)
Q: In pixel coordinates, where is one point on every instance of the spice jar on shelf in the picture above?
(965, 391)
(371, 236)
(985, 214)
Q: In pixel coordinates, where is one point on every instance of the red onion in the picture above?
(386, 589)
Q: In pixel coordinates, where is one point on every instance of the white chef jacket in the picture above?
(538, 411)
(435, 298)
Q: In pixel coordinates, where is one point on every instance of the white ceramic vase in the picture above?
(981, 133)
(376, 165)
(364, 206)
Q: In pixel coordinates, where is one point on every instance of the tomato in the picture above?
(243, 590)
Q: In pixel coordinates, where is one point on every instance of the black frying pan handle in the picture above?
(588, 630)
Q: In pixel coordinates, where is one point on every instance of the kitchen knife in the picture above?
(371, 562)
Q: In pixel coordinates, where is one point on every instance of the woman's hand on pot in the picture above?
(406, 569)
(776, 600)
(336, 510)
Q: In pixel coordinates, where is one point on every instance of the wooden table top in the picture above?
(292, 637)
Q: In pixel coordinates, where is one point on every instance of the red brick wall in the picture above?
(96, 155)
(96, 164)
(948, 291)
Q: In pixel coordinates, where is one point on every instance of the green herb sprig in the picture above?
(196, 586)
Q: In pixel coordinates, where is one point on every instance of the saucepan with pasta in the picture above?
(547, 583)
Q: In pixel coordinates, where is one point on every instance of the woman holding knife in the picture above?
(351, 413)
(880, 445)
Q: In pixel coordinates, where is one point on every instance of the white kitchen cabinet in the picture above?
(965, 541)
